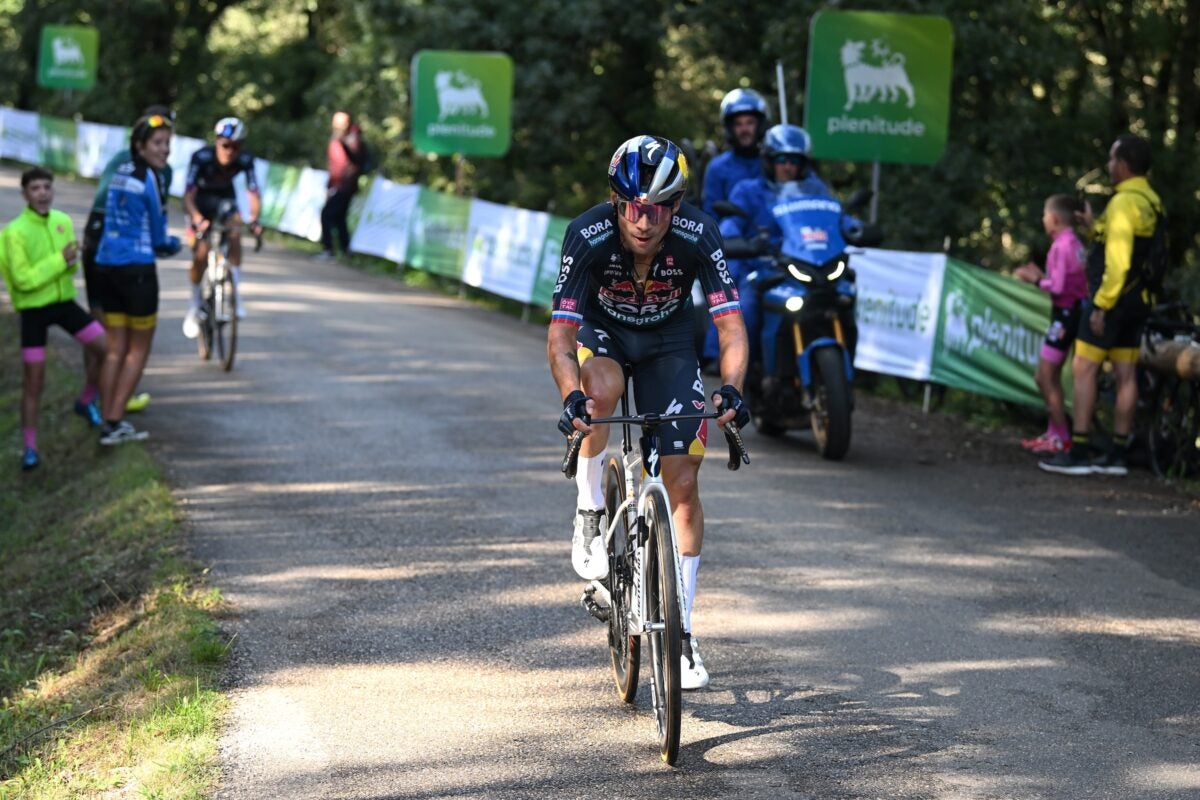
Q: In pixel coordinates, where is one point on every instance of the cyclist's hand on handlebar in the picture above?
(728, 401)
(256, 228)
(577, 413)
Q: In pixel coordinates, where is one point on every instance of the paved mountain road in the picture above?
(376, 488)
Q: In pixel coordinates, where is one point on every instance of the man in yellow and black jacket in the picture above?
(1120, 299)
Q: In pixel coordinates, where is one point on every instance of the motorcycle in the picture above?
(807, 292)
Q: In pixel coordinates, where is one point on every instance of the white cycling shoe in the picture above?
(588, 555)
(191, 323)
(692, 674)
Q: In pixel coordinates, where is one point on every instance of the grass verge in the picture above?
(109, 646)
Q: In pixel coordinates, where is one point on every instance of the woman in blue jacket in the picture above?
(135, 231)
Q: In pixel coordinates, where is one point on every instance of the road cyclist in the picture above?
(623, 297)
(207, 192)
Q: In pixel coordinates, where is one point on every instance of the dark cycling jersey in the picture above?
(596, 267)
(206, 175)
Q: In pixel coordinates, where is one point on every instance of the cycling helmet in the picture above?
(230, 128)
(648, 169)
(744, 101)
(786, 140)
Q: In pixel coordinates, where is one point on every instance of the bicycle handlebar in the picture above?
(649, 422)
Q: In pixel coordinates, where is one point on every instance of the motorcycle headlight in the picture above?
(838, 270)
(798, 274)
(794, 304)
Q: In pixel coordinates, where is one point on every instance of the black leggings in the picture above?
(333, 218)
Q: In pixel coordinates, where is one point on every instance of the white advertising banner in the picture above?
(20, 136)
(504, 248)
(898, 300)
(303, 214)
(182, 148)
(95, 144)
(383, 226)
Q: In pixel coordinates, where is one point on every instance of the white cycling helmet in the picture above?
(230, 128)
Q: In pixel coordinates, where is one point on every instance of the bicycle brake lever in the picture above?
(737, 448)
(571, 460)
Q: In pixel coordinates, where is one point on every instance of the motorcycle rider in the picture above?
(745, 116)
(786, 172)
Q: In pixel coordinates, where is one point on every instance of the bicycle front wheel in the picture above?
(666, 635)
(1174, 439)
(624, 648)
(224, 321)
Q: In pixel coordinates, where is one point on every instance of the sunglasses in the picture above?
(228, 145)
(157, 121)
(784, 158)
(634, 211)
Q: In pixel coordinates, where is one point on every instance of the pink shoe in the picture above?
(1051, 445)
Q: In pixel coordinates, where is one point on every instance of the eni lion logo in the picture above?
(883, 81)
(459, 94)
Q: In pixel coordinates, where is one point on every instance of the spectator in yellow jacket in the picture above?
(38, 258)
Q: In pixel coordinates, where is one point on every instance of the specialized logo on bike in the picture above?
(884, 81)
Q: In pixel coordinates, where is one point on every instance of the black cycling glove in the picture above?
(574, 407)
(732, 398)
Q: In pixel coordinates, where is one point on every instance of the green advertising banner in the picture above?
(281, 180)
(462, 102)
(437, 239)
(547, 276)
(990, 334)
(57, 143)
(879, 86)
(67, 57)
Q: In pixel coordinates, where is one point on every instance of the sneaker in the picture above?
(692, 673)
(137, 403)
(29, 459)
(120, 433)
(1076, 461)
(1111, 463)
(1046, 444)
(191, 322)
(90, 412)
(588, 555)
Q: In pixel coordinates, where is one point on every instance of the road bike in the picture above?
(1173, 399)
(218, 317)
(642, 597)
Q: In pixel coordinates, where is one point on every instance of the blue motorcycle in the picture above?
(803, 374)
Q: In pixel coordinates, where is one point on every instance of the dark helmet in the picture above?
(785, 140)
(744, 101)
(648, 169)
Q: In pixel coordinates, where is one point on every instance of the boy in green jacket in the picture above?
(38, 258)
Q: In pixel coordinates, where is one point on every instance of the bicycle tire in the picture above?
(204, 340)
(225, 322)
(1174, 430)
(624, 649)
(666, 644)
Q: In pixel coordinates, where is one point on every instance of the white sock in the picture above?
(197, 300)
(688, 566)
(588, 482)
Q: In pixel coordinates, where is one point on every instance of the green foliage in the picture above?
(1039, 91)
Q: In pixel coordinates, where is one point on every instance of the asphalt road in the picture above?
(376, 489)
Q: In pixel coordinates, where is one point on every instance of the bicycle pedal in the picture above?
(588, 601)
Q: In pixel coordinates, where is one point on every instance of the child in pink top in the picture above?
(1066, 283)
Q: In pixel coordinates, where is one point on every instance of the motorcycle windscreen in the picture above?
(811, 228)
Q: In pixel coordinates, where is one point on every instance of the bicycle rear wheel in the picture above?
(224, 321)
(662, 612)
(624, 649)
